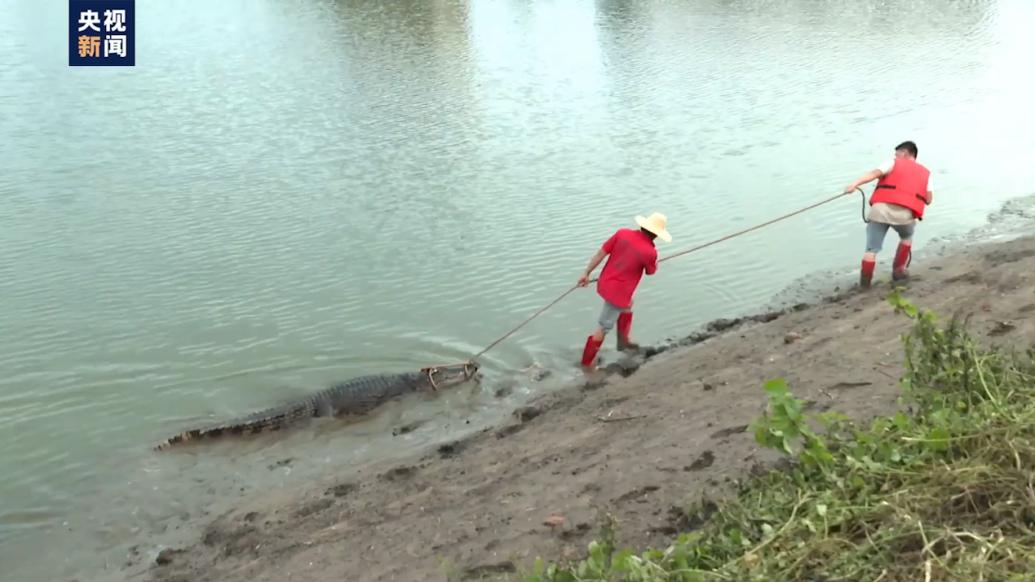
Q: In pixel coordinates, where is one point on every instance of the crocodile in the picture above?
(354, 397)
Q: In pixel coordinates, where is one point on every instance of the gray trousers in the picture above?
(876, 231)
(609, 316)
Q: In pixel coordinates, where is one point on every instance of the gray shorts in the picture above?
(609, 315)
(876, 231)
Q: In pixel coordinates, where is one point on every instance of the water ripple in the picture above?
(208, 237)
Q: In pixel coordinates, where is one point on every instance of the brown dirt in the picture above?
(638, 443)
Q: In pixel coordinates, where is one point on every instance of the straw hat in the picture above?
(655, 223)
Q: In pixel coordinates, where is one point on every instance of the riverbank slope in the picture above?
(640, 445)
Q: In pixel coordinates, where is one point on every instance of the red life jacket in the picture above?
(905, 185)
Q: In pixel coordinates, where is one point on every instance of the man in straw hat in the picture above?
(631, 254)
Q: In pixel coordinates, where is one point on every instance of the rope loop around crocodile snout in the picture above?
(431, 378)
(432, 370)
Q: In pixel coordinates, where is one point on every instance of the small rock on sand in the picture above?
(791, 337)
(554, 520)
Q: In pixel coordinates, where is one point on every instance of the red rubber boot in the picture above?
(866, 273)
(625, 321)
(902, 256)
(589, 353)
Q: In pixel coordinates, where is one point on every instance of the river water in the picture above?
(281, 195)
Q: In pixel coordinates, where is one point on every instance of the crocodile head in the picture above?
(446, 376)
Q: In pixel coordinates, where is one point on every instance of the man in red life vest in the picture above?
(631, 254)
(903, 191)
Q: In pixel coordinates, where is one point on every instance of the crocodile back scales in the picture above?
(351, 398)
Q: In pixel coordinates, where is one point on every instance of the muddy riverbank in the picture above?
(639, 440)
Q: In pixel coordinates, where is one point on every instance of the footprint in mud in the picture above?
(450, 450)
(703, 462)
(729, 431)
(508, 430)
(342, 490)
(167, 555)
(971, 277)
(576, 532)
(641, 492)
(527, 413)
(691, 519)
(622, 368)
(1001, 328)
(812, 404)
(231, 541)
(399, 473)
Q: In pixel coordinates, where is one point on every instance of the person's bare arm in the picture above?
(865, 178)
(593, 262)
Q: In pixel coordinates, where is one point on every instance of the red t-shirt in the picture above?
(631, 253)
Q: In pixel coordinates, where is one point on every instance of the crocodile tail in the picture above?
(267, 420)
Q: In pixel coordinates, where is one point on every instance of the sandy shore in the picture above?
(639, 444)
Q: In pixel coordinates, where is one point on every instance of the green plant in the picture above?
(944, 492)
(785, 422)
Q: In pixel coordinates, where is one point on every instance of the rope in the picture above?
(680, 253)
(756, 227)
(523, 323)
